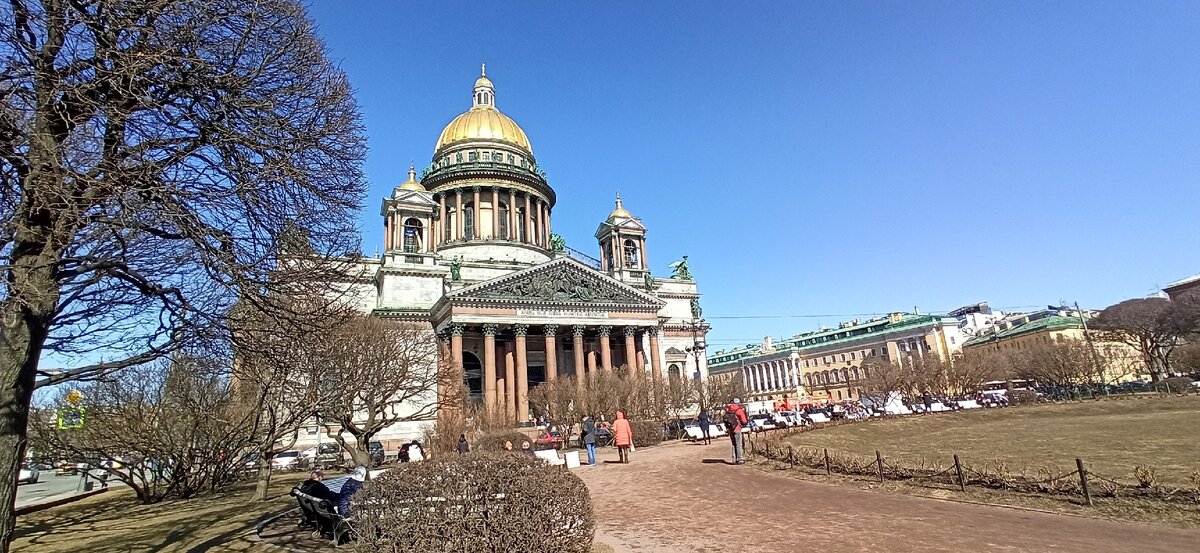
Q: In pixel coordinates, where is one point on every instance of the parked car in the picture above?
(375, 450)
(549, 440)
(27, 475)
(286, 460)
(325, 455)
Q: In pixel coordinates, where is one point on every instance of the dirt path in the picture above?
(683, 497)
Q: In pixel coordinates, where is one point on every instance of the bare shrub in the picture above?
(1022, 397)
(495, 441)
(646, 433)
(1174, 385)
(485, 502)
(1146, 476)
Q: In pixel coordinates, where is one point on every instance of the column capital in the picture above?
(491, 329)
(475, 188)
(653, 331)
(549, 330)
(457, 329)
(520, 330)
(578, 330)
(604, 330)
(631, 331)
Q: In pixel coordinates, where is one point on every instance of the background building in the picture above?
(828, 363)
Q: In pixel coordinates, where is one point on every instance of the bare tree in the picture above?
(1149, 325)
(884, 381)
(278, 373)
(165, 429)
(378, 373)
(152, 154)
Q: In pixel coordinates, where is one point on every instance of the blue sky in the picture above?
(824, 161)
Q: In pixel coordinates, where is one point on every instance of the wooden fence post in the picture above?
(828, 470)
(962, 483)
(879, 462)
(1083, 481)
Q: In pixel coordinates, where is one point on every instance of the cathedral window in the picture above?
(497, 156)
(469, 220)
(451, 219)
(487, 156)
(631, 254)
(504, 221)
(458, 157)
(412, 236)
(521, 230)
(510, 159)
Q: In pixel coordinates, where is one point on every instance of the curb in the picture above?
(55, 503)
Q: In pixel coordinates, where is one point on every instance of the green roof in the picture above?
(834, 336)
(1047, 323)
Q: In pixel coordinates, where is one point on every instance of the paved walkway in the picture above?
(685, 498)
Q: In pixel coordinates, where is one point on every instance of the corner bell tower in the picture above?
(622, 239)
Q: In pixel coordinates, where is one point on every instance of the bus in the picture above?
(1001, 387)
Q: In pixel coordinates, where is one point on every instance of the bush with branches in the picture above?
(1174, 385)
(482, 502)
(646, 433)
(494, 441)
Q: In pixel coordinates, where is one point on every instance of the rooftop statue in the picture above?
(455, 267)
(679, 269)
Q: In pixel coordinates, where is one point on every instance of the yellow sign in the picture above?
(74, 397)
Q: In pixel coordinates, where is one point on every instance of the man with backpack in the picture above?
(735, 419)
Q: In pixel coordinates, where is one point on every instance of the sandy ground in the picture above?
(687, 498)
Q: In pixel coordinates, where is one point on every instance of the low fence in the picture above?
(953, 473)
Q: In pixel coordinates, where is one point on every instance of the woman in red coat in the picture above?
(622, 436)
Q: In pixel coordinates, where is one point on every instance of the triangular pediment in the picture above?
(560, 281)
(413, 197)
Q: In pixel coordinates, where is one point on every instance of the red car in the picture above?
(550, 440)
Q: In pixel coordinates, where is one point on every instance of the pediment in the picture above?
(560, 281)
(413, 197)
(675, 351)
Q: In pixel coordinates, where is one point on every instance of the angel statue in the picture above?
(648, 281)
(455, 266)
(679, 269)
(557, 243)
(696, 311)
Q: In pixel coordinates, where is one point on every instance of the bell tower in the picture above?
(622, 239)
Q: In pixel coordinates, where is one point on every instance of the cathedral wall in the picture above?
(410, 290)
(501, 251)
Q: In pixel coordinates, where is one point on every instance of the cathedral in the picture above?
(469, 250)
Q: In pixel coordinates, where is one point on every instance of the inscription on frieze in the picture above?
(565, 313)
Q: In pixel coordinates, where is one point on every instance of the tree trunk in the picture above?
(23, 331)
(264, 479)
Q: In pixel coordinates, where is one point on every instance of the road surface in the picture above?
(50, 487)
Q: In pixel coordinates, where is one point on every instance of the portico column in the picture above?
(458, 215)
(476, 232)
(387, 234)
(444, 356)
(605, 349)
(522, 373)
(510, 382)
(655, 356)
(489, 366)
(443, 220)
(551, 354)
(577, 343)
(630, 352)
(543, 236)
(645, 264)
(591, 362)
(528, 221)
(495, 213)
(456, 354)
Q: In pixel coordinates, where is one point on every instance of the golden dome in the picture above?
(620, 212)
(483, 121)
(411, 183)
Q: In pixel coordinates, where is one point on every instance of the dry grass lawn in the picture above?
(1112, 436)
(115, 521)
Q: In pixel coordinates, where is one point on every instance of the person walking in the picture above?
(588, 437)
(463, 446)
(735, 419)
(622, 437)
(703, 420)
